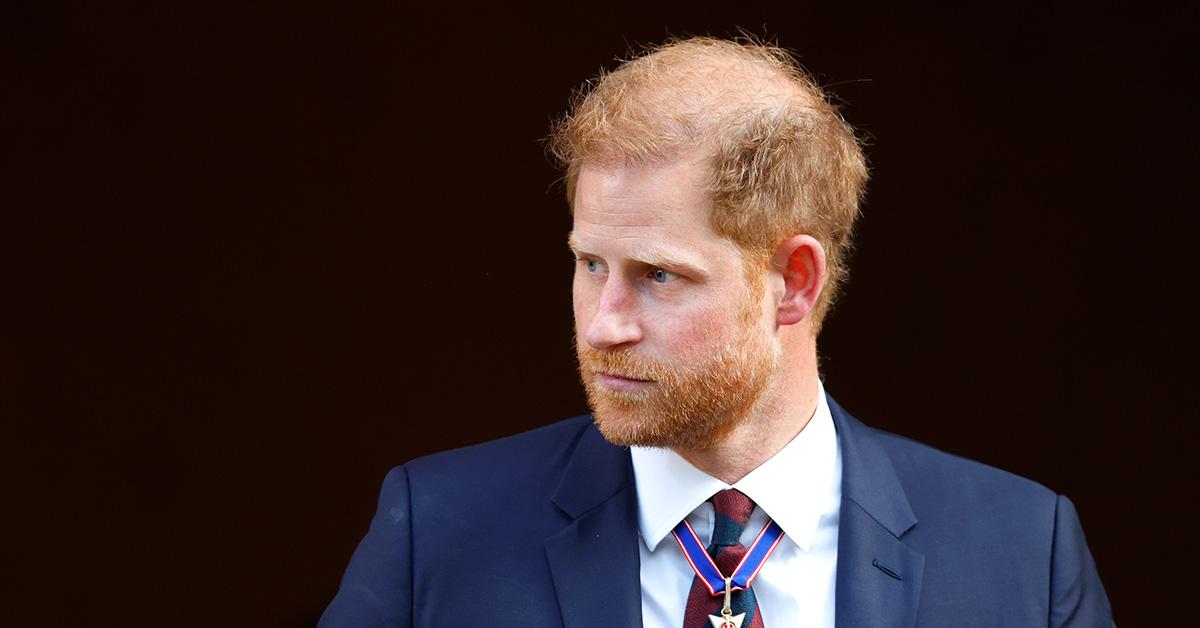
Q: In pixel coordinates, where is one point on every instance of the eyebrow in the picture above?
(650, 257)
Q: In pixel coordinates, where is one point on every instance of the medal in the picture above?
(732, 621)
(727, 621)
(742, 575)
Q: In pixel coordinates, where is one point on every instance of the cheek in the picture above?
(694, 331)
(582, 305)
(579, 313)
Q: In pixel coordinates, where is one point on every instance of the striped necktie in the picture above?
(731, 512)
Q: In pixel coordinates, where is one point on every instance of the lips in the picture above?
(620, 382)
(625, 377)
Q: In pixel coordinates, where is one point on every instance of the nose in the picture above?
(614, 321)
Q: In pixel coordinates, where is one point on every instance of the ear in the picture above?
(800, 261)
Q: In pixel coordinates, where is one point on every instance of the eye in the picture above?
(592, 266)
(663, 276)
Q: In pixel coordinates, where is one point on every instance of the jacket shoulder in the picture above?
(924, 469)
(504, 473)
(532, 448)
(969, 513)
(989, 537)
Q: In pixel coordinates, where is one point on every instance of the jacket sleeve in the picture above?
(376, 590)
(1077, 599)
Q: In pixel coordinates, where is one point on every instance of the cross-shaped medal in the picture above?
(727, 621)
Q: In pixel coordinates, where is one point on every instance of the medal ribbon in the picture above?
(745, 571)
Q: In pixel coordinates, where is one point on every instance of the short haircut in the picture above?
(783, 161)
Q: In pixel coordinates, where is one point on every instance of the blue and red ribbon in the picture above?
(745, 572)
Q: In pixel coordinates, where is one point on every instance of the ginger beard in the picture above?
(692, 406)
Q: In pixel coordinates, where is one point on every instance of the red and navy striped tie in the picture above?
(731, 512)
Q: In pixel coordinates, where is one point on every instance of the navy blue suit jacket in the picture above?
(540, 529)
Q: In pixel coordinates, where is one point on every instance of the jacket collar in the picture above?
(596, 471)
(868, 477)
(594, 559)
(878, 575)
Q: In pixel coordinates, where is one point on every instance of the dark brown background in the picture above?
(254, 255)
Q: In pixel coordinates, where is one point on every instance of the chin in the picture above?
(625, 427)
(622, 427)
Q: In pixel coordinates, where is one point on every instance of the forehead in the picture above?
(661, 207)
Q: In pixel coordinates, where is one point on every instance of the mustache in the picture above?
(621, 363)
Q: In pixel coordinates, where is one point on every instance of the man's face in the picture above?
(674, 342)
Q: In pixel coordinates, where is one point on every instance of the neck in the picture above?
(784, 409)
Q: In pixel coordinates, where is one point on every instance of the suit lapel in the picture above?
(878, 576)
(594, 559)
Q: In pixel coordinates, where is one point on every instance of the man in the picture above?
(714, 190)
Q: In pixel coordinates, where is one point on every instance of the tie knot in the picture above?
(732, 510)
(733, 504)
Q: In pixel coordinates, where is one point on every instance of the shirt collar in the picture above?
(794, 487)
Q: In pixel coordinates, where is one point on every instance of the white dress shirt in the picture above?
(799, 487)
